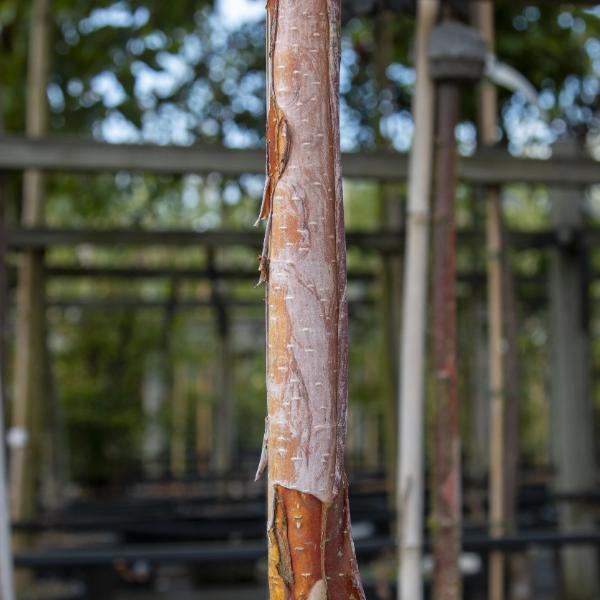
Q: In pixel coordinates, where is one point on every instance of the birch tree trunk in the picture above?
(311, 553)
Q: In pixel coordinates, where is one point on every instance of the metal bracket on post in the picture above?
(457, 53)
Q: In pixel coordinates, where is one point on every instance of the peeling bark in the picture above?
(311, 554)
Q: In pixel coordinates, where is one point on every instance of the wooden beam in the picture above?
(132, 302)
(69, 154)
(380, 240)
(76, 272)
(572, 424)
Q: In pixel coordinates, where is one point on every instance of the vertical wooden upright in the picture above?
(6, 559)
(572, 431)
(224, 411)
(224, 441)
(180, 417)
(484, 15)
(30, 379)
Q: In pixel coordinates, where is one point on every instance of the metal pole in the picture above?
(446, 478)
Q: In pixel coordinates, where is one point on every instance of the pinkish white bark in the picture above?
(304, 263)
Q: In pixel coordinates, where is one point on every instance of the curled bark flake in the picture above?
(278, 144)
(318, 591)
(280, 560)
(263, 455)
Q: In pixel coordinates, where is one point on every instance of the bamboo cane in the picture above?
(311, 553)
(488, 122)
(30, 326)
(412, 354)
(6, 559)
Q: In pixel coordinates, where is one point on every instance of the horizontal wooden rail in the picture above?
(223, 553)
(71, 154)
(378, 240)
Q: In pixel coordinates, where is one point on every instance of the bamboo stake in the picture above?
(6, 559)
(6, 564)
(30, 323)
(488, 121)
(446, 477)
(496, 485)
(311, 553)
(412, 354)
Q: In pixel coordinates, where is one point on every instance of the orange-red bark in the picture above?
(311, 555)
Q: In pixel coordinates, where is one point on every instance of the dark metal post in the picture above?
(446, 468)
(457, 54)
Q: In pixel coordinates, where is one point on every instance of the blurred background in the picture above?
(134, 363)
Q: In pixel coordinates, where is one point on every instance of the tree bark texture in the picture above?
(446, 484)
(311, 553)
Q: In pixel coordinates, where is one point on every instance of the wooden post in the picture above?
(154, 401)
(480, 413)
(158, 385)
(204, 430)
(30, 343)
(496, 370)
(6, 559)
(410, 461)
(225, 434)
(224, 441)
(488, 105)
(572, 432)
(391, 214)
(311, 554)
(180, 413)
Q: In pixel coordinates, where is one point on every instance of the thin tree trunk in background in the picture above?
(30, 340)
(446, 473)
(410, 462)
(311, 554)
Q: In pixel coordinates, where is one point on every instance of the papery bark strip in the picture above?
(311, 554)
